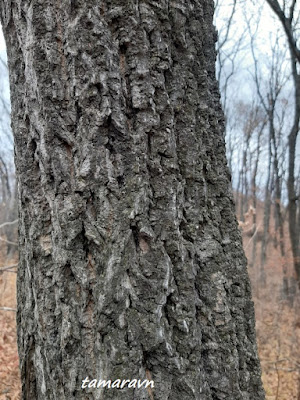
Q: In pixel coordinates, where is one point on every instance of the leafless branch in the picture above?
(8, 241)
(8, 309)
(287, 25)
(8, 268)
(8, 223)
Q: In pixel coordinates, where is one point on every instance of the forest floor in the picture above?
(277, 324)
(277, 314)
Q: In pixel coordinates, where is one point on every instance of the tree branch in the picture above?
(8, 268)
(287, 25)
(8, 241)
(8, 223)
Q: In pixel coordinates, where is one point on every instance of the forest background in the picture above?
(258, 69)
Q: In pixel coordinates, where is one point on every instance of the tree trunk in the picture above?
(267, 212)
(131, 262)
(254, 196)
(294, 201)
(279, 228)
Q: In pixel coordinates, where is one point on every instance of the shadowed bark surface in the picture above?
(131, 262)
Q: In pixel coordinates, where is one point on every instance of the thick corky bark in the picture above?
(131, 262)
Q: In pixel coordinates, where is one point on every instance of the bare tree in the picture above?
(229, 45)
(269, 88)
(258, 123)
(288, 14)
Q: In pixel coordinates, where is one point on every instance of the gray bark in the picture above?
(131, 262)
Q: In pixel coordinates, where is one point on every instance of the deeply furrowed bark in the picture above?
(131, 262)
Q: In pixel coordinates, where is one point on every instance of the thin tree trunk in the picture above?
(6, 192)
(131, 262)
(243, 176)
(243, 192)
(294, 201)
(254, 198)
(267, 212)
(278, 214)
